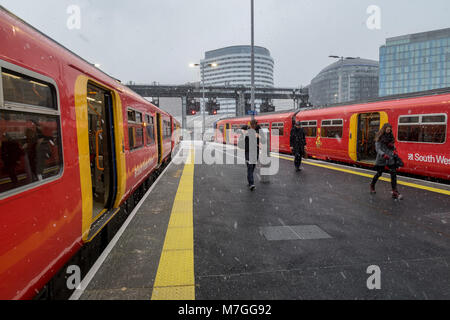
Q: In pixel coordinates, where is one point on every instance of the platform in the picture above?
(200, 233)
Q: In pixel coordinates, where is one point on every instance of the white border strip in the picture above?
(98, 263)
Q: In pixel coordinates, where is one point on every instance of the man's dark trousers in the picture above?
(250, 171)
(298, 158)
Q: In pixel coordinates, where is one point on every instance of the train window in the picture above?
(167, 132)
(310, 128)
(332, 128)
(409, 120)
(150, 129)
(422, 128)
(264, 125)
(30, 134)
(433, 118)
(131, 137)
(235, 128)
(277, 128)
(310, 131)
(21, 89)
(433, 133)
(138, 117)
(131, 115)
(139, 141)
(135, 129)
(136, 137)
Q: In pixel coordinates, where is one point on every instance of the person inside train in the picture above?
(37, 149)
(297, 144)
(384, 145)
(30, 152)
(11, 155)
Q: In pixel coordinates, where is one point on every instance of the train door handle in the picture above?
(96, 150)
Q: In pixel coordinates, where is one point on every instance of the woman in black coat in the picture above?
(384, 145)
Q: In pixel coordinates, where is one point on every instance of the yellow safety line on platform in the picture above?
(409, 184)
(175, 275)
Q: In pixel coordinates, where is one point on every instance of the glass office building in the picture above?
(234, 69)
(415, 62)
(345, 80)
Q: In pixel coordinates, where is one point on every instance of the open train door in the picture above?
(363, 129)
(159, 137)
(172, 129)
(101, 149)
(96, 125)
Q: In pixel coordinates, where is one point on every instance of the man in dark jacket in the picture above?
(297, 143)
(252, 140)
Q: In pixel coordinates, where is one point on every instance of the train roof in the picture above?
(424, 98)
(398, 101)
(53, 40)
(418, 94)
(268, 115)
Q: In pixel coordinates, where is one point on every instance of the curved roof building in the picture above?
(345, 80)
(234, 69)
(234, 66)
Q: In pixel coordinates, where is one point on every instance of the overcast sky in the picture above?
(155, 40)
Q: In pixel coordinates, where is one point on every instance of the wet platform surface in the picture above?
(306, 235)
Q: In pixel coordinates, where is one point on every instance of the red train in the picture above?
(75, 145)
(346, 133)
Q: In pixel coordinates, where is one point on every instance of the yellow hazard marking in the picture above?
(175, 276)
(408, 184)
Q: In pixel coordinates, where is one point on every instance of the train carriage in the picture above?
(420, 125)
(278, 124)
(76, 146)
(346, 133)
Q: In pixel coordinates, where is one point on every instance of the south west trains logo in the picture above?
(440, 159)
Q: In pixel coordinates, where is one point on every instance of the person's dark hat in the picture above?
(244, 127)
